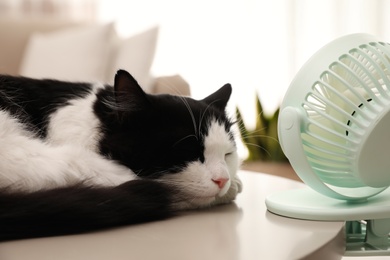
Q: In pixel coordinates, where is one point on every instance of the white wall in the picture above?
(256, 45)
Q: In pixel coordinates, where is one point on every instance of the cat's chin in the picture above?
(224, 196)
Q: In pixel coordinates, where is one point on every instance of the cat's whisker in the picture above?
(250, 136)
(174, 90)
(259, 146)
(137, 173)
(261, 136)
(185, 102)
(182, 139)
(204, 113)
(100, 154)
(166, 83)
(256, 131)
(241, 124)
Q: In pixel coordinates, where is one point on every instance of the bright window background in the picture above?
(211, 43)
(255, 45)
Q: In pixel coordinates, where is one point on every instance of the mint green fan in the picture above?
(334, 127)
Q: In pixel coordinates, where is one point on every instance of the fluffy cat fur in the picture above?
(76, 157)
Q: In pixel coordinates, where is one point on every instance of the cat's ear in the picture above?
(220, 98)
(128, 93)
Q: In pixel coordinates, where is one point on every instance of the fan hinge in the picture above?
(367, 237)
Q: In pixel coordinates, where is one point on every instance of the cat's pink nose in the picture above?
(220, 182)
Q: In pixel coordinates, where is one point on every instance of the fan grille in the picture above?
(340, 107)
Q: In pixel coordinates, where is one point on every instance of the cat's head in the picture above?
(185, 142)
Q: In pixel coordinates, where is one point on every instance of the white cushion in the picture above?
(135, 54)
(75, 54)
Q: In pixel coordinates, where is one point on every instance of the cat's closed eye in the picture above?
(228, 154)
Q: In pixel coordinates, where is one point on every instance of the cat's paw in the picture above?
(231, 194)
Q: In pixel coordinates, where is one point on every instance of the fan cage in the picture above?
(340, 107)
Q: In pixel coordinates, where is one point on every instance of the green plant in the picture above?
(262, 142)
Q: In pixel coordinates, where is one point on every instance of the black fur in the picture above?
(33, 100)
(169, 129)
(81, 208)
(150, 134)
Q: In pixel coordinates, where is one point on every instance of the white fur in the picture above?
(221, 161)
(69, 155)
(75, 124)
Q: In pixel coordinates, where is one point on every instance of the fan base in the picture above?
(367, 222)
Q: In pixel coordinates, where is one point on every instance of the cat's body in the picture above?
(75, 157)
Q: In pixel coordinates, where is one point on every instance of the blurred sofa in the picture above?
(80, 51)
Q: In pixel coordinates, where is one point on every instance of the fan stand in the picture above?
(367, 222)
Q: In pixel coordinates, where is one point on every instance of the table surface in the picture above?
(241, 230)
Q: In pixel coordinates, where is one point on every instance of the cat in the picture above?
(79, 157)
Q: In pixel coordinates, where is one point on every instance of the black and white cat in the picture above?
(76, 157)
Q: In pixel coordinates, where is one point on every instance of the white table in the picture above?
(242, 230)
